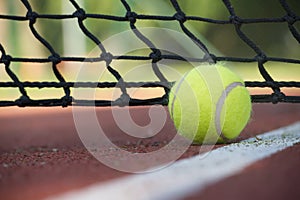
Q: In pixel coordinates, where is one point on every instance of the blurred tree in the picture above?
(49, 29)
(273, 38)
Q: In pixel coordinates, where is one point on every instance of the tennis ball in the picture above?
(209, 105)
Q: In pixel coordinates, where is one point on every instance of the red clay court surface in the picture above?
(41, 155)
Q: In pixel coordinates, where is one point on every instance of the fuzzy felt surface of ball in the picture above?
(210, 104)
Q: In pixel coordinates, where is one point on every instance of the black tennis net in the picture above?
(290, 19)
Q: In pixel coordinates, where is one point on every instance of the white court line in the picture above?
(192, 174)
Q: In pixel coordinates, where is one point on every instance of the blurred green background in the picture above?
(274, 39)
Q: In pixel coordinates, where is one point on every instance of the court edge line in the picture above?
(192, 174)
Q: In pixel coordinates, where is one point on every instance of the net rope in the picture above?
(156, 55)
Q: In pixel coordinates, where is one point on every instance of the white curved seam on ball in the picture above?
(220, 105)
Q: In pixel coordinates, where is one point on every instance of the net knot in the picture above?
(180, 16)
(23, 101)
(277, 97)
(131, 16)
(55, 59)
(235, 20)
(80, 14)
(165, 98)
(123, 100)
(261, 58)
(31, 16)
(65, 101)
(155, 55)
(6, 59)
(107, 57)
(290, 19)
(210, 58)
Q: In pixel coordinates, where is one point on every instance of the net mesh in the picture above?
(131, 19)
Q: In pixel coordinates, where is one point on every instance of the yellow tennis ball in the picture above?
(209, 105)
